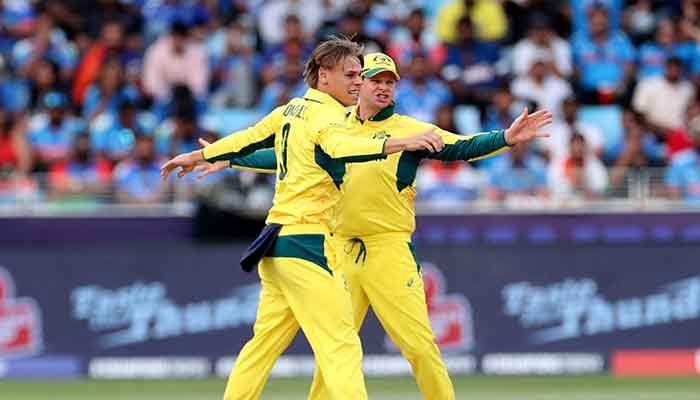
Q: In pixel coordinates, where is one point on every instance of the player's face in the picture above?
(343, 80)
(378, 90)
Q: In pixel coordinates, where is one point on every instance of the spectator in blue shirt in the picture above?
(47, 43)
(502, 110)
(137, 180)
(52, 141)
(110, 89)
(185, 134)
(44, 80)
(178, 134)
(283, 89)
(294, 45)
(354, 23)
(581, 8)
(160, 15)
(419, 94)
(653, 55)
(235, 70)
(14, 92)
(113, 136)
(518, 173)
(414, 37)
(470, 66)
(16, 21)
(604, 60)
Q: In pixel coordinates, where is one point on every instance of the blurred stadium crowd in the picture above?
(96, 94)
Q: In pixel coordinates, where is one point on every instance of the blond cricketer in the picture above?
(302, 285)
(375, 218)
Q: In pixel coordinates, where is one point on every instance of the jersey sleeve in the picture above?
(469, 148)
(348, 148)
(241, 143)
(261, 161)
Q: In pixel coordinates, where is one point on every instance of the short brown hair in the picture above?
(327, 55)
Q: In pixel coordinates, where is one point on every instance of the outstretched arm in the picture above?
(237, 144)
(264, 161)
(527, 127)
(474, 147)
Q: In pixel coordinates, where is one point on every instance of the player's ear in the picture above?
(323, 76)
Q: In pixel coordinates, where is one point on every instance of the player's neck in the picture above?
(366, 110)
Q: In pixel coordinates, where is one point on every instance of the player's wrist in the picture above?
(394, 145)
(508, 137)
(198, 155)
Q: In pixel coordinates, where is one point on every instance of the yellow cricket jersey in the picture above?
(378, 196)
(310, 156)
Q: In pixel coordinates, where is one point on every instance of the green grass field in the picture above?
(472, 388)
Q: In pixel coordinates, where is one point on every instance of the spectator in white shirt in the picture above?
(540, 37)
(578, 175)
(542, 87)
(662, 100)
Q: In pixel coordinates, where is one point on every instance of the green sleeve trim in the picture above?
(365, 158)
(333, 166)
(412, 249)
(475, 147)
(262, 160)
(263, 144)
(407, 169)
(309, 247)
(354, 159)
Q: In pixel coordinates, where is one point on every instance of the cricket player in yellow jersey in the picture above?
(375, 218)
(301, 283)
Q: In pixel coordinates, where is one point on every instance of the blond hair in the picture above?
(329, 54)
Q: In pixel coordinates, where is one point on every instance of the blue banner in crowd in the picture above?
(63, 306)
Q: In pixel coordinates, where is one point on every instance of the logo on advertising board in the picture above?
(573, 308)
(450, 313)
(143, 311)
(20, 321)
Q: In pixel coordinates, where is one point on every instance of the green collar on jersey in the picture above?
(381, 115)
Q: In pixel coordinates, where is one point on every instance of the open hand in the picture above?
(207, 168)
(186, 162)
(527, 127)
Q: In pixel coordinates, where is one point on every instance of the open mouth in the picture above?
(383, 97)
(354, 93)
